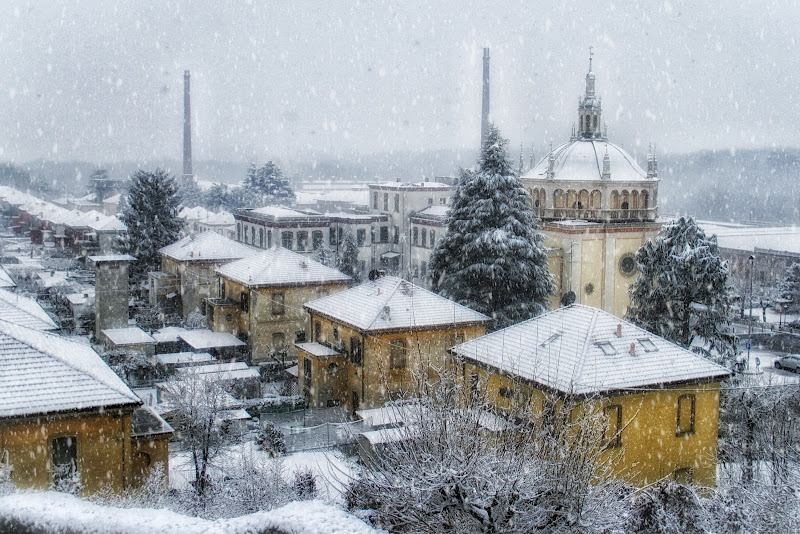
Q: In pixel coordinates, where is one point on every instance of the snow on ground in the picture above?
(57, 512)
(332, 469)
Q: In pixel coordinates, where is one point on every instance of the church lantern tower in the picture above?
(590, 108)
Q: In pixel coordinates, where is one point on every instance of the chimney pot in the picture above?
(619, 329)
(633, 349)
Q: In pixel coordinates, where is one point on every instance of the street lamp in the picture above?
(751, 259)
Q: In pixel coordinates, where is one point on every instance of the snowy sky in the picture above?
(102, 80)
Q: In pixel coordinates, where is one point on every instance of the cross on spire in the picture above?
(591, 53)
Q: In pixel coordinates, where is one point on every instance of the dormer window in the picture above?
(648, 345)
(550, 339)
(607, 348)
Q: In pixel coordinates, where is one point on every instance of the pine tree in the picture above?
(491, 259)
(682, 289)
(325, 256)
(191, 194)
(348, 262)
(269, 184)
(150, 211)
(789, 287)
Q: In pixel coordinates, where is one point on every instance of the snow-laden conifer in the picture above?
(348, 262)
(682, 289)
(268, 183)
(150, 211)
(491, 259)
(789, 287)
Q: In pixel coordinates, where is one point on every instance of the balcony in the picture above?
(596, 215)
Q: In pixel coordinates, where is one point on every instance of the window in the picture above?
(443, 201)
(253, 235)
(316, 239)
(430, 202)
(65, 460)
(277, 304)
(375, 200)
(433, 238)
(458, 338)
(335, 333)
(423, 269)
(307, 376)
(386, 202)
(332, 237)
(269, 238)
(244, 302)
(685, 424)
(474, 387)
(238, 232)
(384, 234)
(415, 269)
(300, 337)
(317, 331)
(245, 233)
(607, 348)
(424, 238)
(648, 345)
(286, 240)
(550, 339)
(613, 434)
(278, 341)
(415, 236)
(356, 351)
(302, 240)
(397, 203)
(261, 237)
(397, 356)
(222, 289)
(396, 235)
(361, 237)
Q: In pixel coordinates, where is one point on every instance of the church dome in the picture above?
(582, 160)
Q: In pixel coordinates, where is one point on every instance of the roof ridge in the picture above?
(578, 373)
(389, 295)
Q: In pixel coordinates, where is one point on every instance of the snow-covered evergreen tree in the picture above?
(790, 286)
(191, 194)
(150, 211)
(348, 262)
(269, 184)
(325, 256)
(491, 259)
(682, 289)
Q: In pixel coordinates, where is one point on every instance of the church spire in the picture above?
(590, 108)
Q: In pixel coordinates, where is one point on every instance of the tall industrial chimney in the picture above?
(485, 108)
(187, 131)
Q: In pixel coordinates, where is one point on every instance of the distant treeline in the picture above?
(745, 185)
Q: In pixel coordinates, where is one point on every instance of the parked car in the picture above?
(790, 363)
(794, 325)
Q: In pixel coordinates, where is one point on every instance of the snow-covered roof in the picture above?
(107, 223)
(576, 350)
(41, 372)
(221, 371)
(749, 238)
(5, 279)
(193, 214)
(208, 247)
(146, 422)
(318, 350)
(280, 267)
(582, 160)
(86, 295)
(133, 335)
(112, 257)
(280, 212)
(206, 339)
(52, 278)
(168, 334)
(411, 186)
(113, 199)
(177, 358)
(24, 311)
(391, 303)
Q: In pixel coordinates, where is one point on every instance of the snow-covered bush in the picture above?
(270, 439)
(66, 479)
(305, 484)
(668, 508)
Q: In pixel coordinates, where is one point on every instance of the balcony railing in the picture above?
(598, 215)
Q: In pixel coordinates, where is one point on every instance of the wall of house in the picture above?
(198, 282)
(375, 382)
(262, 326)
(103, 449)
(147, 452)
(651, 447)
(112, 292)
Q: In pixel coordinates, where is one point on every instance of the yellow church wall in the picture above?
(104, 450)
(650, 448)
(622, 247)
(592, 272)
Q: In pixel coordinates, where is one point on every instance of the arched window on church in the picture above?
(625, 200)
(595, 122)
(596, 200)
(558, 198)
(634, 200)
(583, 199)
(542, 198)
(581, 123)
(614, 200)
(643, 200)
(535, 197)
(572, 199)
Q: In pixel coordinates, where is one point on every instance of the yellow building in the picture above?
(598, 207)
(660, 401)
(373, 342)
(65, 416)
(188, 271)
(261, 299)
